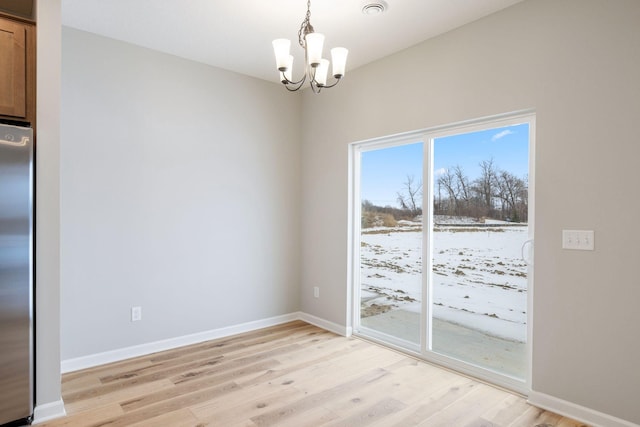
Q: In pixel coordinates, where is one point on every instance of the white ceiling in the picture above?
(236, 34)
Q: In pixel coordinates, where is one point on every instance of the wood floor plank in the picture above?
(162, 367)
(535, 416)
(213, 352)
(290, 375)
(193, 386)
(322, 344)
(432, 401)
(329, 349)
(399, 385)
(165, 407)
(187, 371)
(319, 416)
(314, 368)
(180, 418)
(232, 423)
(255, 347)
(326, 374)
(466, 409)
(97, 415)
(80, 383)
(506, 410)
(376, 411)
(116, 396)
(243, 407)
(240, 340)
(528, 416)
(566, 422)
(255, 342)
(107, 369)
(312, 400)
(228, 368)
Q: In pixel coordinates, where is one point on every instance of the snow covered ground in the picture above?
(479, 277)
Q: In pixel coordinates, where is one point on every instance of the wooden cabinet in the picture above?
(17, 70)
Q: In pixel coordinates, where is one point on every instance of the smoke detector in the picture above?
(374, 8)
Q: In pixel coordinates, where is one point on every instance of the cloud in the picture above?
(502, 134)
(440, 171)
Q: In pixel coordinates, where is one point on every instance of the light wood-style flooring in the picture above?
(288, 375)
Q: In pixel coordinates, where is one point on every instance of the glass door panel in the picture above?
(478, 277)
(390, 252)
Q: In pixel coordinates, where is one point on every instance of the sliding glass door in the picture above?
(442, 246)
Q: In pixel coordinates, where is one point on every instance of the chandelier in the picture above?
(316, 68)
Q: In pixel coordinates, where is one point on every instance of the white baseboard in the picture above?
(325, 324)
(48, 411)
(577, 412)
(92, 360)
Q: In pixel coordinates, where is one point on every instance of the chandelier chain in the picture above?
(305, 27)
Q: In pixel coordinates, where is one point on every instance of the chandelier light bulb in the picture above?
(281, 48)
(288, 73)
(339, 60)
(321, 72)
(314, 48)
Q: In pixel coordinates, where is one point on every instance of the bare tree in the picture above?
(512, 191)
(411, 197)
(465, 193)
(447, 181)
(485, 185)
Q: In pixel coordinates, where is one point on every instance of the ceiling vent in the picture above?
(374, 8)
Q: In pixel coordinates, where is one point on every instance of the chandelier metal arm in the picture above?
(331, 85)
(288, 83)
(315, 87)
(292, 90)
(318, 87)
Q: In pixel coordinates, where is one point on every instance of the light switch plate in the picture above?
(581, 240)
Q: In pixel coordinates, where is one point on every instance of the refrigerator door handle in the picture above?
(8, 140)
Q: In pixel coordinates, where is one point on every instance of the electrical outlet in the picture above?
(136, 313)
(582, 240)
(316, 292)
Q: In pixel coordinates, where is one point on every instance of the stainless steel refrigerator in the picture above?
(16, 274)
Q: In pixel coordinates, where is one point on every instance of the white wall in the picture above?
(577, 63)
(47, 296)
(179, 193)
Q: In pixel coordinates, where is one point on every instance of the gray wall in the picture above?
(577, 63)
(179, 193)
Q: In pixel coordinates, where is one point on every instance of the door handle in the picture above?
(527, 260)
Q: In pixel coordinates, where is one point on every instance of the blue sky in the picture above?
(384, 171)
